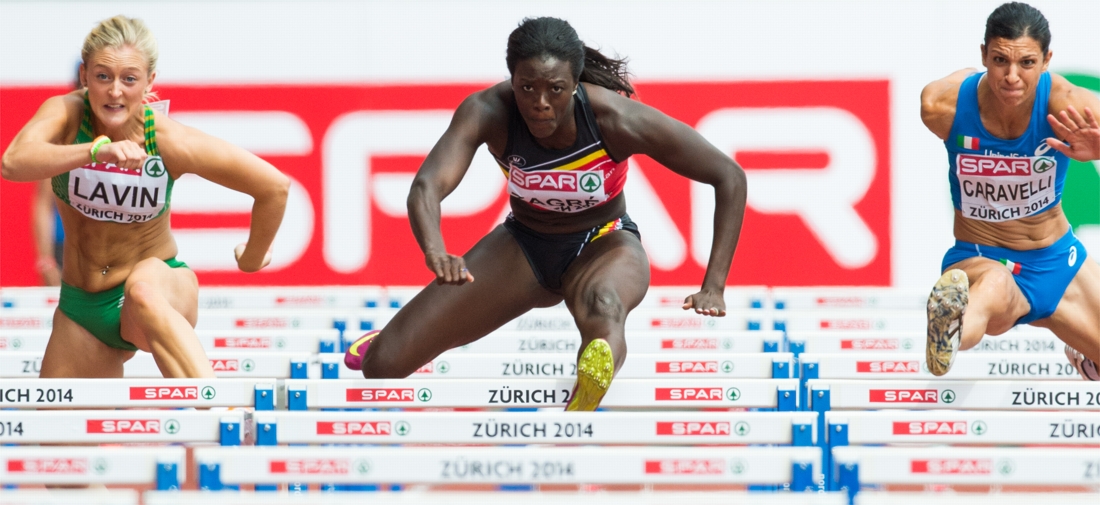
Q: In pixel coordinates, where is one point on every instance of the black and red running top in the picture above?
(567, 180)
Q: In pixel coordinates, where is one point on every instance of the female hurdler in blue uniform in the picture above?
(1010, 133)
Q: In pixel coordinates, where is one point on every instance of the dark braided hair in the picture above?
(553, 37)
(1014, 20)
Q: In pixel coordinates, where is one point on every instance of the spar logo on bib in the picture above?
(591, 181)
(154, 166)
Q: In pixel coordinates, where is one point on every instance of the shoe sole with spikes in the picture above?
(595, 370)
(946, 307)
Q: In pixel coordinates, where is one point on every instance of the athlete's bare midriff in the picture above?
(92, 246)
(1024, 234)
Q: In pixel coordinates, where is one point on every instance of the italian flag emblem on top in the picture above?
(967, 142)
(1013, 266)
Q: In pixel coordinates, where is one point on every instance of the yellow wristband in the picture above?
(99, 142)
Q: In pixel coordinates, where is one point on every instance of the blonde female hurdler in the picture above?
(112, 162)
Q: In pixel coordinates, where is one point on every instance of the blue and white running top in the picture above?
(997, 180)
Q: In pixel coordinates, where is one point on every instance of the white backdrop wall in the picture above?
(907, 43)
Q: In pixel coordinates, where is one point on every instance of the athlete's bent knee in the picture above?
(603, 303)
(140, 296)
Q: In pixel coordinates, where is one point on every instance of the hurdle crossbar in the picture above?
(279, 365)
(642, 342)
(235, 340)
(857, 466)
(93, 465)
(819, 342)
(122, 426)
(487, 498)
(852, 297)
(1014, 498)
(70, 496)
(793, 466)
(638, 366)
(827, 394)
(850, 320)
(509, 393)
(490, 428)
(26, 319)
(131, 393)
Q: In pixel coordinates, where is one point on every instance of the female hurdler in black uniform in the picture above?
(561, 131)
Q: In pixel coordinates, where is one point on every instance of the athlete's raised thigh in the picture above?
(607, 280)
(993, 296)
(179, 287)
(1077, 319)
(74, 352)
(443, 317)
(617, 262)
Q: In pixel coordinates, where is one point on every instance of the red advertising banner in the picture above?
(817, 154)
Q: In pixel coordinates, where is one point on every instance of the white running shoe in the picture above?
(1084, 366)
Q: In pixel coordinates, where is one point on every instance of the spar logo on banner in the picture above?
(816, 153)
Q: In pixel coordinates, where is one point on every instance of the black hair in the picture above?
(1016, 19)
(553, 37)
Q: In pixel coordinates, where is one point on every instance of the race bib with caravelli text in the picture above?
(105, 192)
(1002, 188)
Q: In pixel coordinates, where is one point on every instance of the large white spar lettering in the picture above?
(830, 213)
(264, 133)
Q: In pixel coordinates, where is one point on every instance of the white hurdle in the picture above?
(30, 297)
(796, 467)
(492, 428)
(831, 394)
(250, 340)
(461, 365)
(737, 297)
(850, 320)
(93, 465)
(123, 426)
(526, 393)
(900, 498)
(70, 496)
(292, 297)
(278, 365)
(848, 297)
(26, 319)
(857, 466)
(483, 498)
(649, 341)
(977, 366)
(141, 393)
(559, 319)
(1016, 341)
(962, 427)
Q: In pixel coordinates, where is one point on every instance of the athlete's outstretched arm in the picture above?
(440, 174)
(937, 102)
(1073, 116)
(631, 127)
(38, 151)
(187, 150)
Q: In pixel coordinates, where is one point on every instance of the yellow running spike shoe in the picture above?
(595, 370)
(946, 306)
